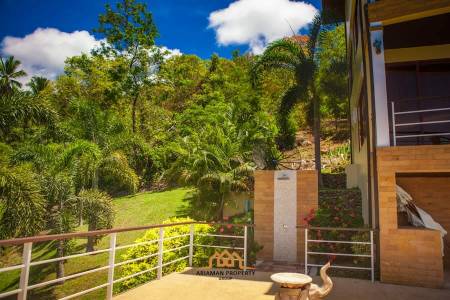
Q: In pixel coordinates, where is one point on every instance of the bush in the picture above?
(200, 258)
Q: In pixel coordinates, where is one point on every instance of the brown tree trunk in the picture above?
(133, 112)
(90, 240)
(316, 130)
(60, 264)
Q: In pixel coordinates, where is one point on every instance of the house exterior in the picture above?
(399, 63)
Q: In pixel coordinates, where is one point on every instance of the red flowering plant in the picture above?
(228, 227)
(335, 211)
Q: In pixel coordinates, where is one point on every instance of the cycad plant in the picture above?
(300, 59)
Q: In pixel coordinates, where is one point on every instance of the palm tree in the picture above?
(88, 162)
(212, 160)
(62, 207)
(22, 203)
(16, 108)
(38, 84)
(9, 74)
(97, 211)
(300, 58)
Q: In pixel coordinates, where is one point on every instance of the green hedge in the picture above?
(200, 259)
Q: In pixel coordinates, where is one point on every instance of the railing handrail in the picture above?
(318, 240)
(337, 228)
(418, 111)
(25, 287)
(395, 124)
(64, 236)
(419, 98)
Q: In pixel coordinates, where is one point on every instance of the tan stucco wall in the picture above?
(408, 255)
(307, 199)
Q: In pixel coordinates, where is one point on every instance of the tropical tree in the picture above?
(87, 163)
(38, 84)
(97, 211)
(62, 214)
(9, 74)
(212, 161)
(332, 73)
(299, 58)
(130, 33)
(19, 107)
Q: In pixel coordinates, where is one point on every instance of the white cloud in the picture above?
(44, 51)
(259, 22)
(170, 52)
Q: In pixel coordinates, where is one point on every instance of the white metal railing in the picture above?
(369, 242)
(27, 263)
(395, 125)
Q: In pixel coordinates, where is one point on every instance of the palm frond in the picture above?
(314, 32)
(116, 165)
(23, 206)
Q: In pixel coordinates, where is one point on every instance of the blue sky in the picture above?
(183, 24)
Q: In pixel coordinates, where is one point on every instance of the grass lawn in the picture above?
(140, 209)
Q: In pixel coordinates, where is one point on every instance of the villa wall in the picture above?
(263, 213)
(432, 194)
(307, 199)
(410, 255)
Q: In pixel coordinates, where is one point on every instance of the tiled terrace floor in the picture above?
(190, 286)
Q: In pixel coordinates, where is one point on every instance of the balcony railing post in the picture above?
(306, 251)
(394, 135)
(160, 252)
(25, 273)
(191, 244)
(112, 261)
(372, 258)
(245, 246)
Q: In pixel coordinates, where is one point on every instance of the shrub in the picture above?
(200, 258)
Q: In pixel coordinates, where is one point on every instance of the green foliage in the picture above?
(200, 258)
(97, 209)
(332, 74)
(299, 59)
(130, 33)
(129, 26)
(89, 165)
(339, 208)
(22, 206)
(336, 159)
(37, 84)
(19, 108)
(211, 159)
(9, 74)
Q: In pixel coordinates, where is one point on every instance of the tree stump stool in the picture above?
(293, 286)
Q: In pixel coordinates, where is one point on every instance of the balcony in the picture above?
(420, 121)
(187, 284)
